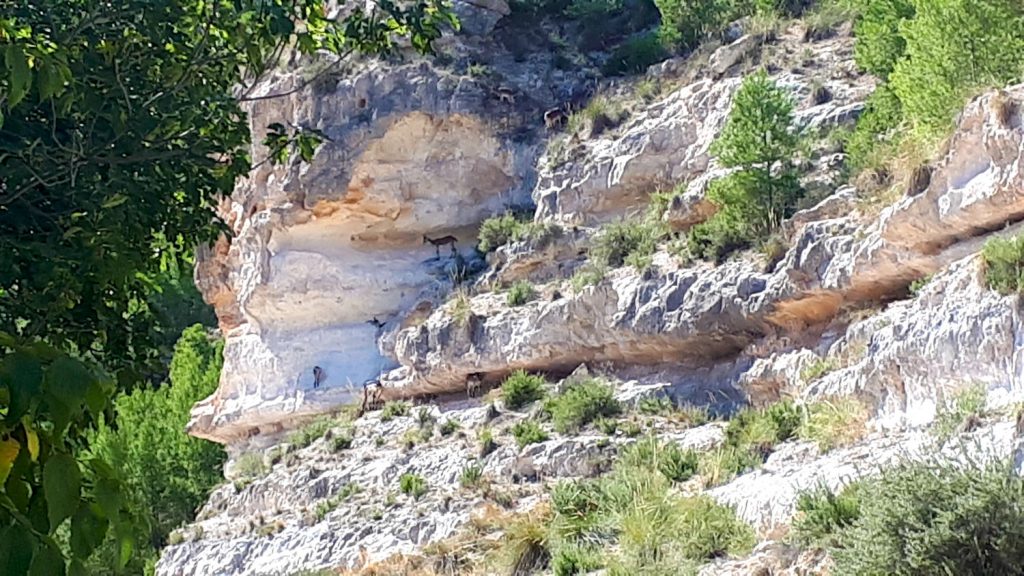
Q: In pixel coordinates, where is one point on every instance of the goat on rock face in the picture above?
(442, 241)
(372, 399)
(318, 376)
(473, 385)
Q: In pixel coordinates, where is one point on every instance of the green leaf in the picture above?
(62, 486)
(21, 373)
(48, 561)
(68, 380)
(31, 439)
(97, 396)
(18, 491)
(126, 544)
(108, 497)
(15, 551)
(49, 82)
(8, 453)
(20, 76)
(115, 200)
(77, 568)
(87, 531)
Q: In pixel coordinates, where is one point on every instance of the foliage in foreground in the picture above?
(936, 519)
(122, 129)
(167, 473)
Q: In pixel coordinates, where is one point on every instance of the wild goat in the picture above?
(376, 323)
(372, 399)
(442, 241)
(555, 117)
(473, 385)
(318, 376)
(505, 95)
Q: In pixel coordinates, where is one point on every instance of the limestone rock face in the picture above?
(321, 249)
(668, 143)
(328, 266)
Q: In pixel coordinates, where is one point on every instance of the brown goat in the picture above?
(555, 117)
(473, 385)
(442, 241)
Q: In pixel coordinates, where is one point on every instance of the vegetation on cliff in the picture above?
(122, 128)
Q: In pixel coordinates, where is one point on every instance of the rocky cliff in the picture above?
(420, 150)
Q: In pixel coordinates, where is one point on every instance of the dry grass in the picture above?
(834, 423)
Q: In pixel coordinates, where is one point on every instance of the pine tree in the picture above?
(759, 141)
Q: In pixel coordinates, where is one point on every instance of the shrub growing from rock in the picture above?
(528, 432)
(1004, 264)
(966, 405)
(581, 404)
(520, 293)
(635, 55)
(673, 462)
(821, 513)
(311, 432)
(630, 242)
(412, 485)
(393, 409)
(937, 519)
(520, 389)
(834, 423)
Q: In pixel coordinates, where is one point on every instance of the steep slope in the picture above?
(321, 249)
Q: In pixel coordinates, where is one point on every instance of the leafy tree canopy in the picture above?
(121, 127)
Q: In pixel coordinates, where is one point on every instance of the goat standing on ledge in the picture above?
(438, 242)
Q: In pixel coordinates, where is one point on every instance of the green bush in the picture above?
(487, 443)
(750, 437)
(687, 23)
(520, 293)
(630, 242)
(874, 139)
(635, 55)
(954, 48)
(449, 427)
(341, 442)
(528, 432)
(879, 42)
(520, 389)
(166, 472)
(1004, 264)
(498, 231)
(393, 409)
(724, 463)
(575, 560)
(763, 428)
(311, 432)
(936, 519)
(822, 513)
(716, 238)
(674, 463)
(588, 275)
(249, 466)
(471, 476)
(412, 485)
(581, 404)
